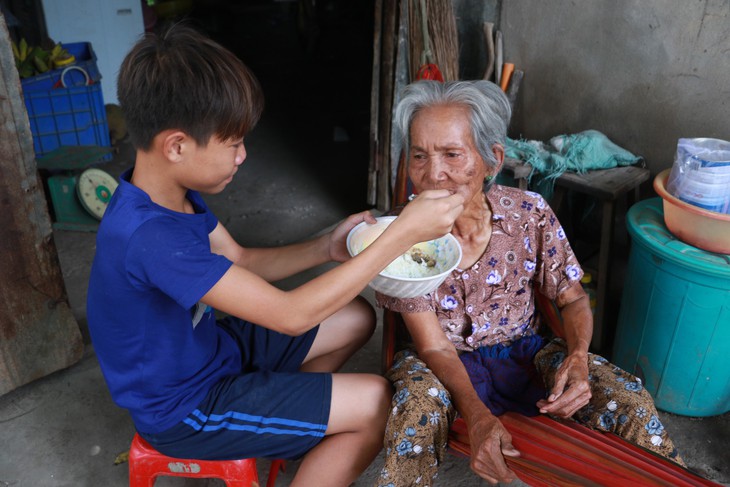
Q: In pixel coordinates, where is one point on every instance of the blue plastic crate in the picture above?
(67, 116)
(85, 59)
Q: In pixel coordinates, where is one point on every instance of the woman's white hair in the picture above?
(490, 110)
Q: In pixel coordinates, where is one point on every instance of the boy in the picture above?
(206, 389)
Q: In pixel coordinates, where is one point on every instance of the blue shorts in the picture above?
(269, 410)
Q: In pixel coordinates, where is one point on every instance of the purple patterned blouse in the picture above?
(492, 301)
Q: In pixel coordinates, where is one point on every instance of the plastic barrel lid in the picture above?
(645, 222)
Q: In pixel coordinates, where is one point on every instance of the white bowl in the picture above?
(404, 278)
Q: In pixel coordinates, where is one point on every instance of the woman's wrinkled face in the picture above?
(443, 154)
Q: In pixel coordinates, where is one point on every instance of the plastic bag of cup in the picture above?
(700, 175)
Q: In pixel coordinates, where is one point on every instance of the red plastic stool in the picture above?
(146, 464)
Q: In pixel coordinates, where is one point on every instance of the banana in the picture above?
(23, 49)
(56, 51)
(60, 56)
(64, 61)
(40, 65)
(41, 53)
(25, 71)
(32, 60)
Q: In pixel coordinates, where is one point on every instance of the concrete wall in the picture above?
(644, 72)
(111, 26)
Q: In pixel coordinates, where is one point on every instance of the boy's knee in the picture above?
(385, 392)
(365, 311)
(380, 392)
(361, 319)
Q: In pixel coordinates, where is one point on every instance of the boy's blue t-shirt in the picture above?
(160, 349)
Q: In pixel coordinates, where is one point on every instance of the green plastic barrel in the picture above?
(673, 328)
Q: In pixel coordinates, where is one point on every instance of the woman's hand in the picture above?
(489, 440)
(490, 443)
(338, 237)
(571, 390)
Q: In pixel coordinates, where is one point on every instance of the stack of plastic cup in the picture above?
(701, 174)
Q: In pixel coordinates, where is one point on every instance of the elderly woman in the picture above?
(478, 351)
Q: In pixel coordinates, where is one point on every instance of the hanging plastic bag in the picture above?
(700, 175)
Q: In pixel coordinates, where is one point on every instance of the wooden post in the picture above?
(381, 102)
(372, 195)
(38, 333)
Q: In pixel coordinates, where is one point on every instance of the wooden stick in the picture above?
(514, 86)
(371, 196)
(507, 70)
(498, 56)
(489, 38)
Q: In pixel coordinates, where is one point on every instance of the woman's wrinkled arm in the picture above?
(490, 441)
(572, 390)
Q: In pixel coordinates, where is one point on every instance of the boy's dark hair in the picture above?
(186, 81)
